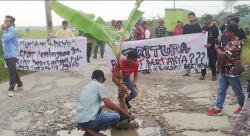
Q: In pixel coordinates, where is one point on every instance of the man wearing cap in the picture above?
(213, 33)
(128, 66)
(89, 115)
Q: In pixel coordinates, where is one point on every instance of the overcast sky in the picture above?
(32, 13)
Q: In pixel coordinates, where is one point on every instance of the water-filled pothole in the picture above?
(150, 131)
(145, 131)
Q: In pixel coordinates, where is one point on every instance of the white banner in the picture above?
(167, 53)
(53, 54)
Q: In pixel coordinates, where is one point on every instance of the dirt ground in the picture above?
(167, 104)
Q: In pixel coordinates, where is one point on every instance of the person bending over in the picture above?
(128, 66)
(89, 114)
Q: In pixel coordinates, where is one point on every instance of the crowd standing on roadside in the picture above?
(224, 50)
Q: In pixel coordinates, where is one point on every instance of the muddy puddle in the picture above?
(151, 131)
(147, 131)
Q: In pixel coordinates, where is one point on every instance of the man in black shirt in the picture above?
(192, 27)
(228, 20)
(213, 33)
(241, 34)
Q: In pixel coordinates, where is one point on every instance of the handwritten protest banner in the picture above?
(53, 54)
(168, 53)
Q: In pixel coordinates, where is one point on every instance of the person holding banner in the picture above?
(192, 27)
(89, 114)
(11, 52)
(65, 32)
(128, 66)
(213, 33)
(230, 71)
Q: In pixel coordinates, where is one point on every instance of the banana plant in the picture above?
(100, 31)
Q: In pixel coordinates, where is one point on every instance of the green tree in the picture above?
(229, 4)
(242, 10)
(1, 55)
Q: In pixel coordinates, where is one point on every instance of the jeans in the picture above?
(103, 120)
(224, 82)
(212, 56)
(241, 119)
(101, 45)
(133, 91)
(13, 74)
(89, 49)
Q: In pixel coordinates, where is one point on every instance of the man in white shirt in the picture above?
(146, 30)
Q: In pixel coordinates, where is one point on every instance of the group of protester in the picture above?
(224, 48)
(224, 45)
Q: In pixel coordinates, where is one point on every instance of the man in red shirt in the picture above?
(128, 66)
(138, 32)
(179, 28)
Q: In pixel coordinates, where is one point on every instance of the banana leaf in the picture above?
(89, 36)
(91, 16)
(100, 21)
(84, 23)
(114, 34)
(134, 16)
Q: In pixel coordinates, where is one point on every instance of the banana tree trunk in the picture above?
(121, 91)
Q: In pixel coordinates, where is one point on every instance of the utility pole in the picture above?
(48, 18)
(232, 7)
(174, 4)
